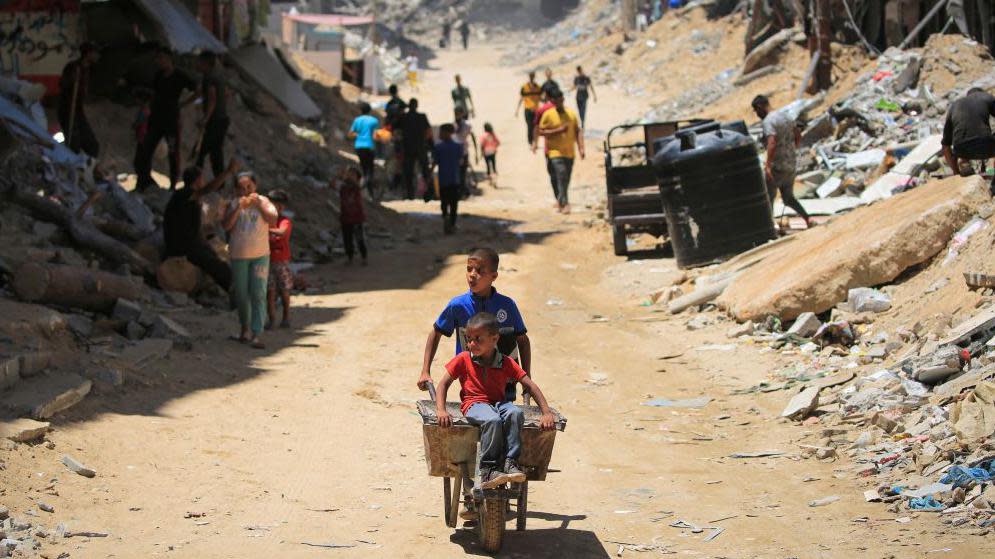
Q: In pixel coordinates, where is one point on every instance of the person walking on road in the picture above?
(462, 100)
(164, 119)
(529, 96)
(549, 86)
(248, 223)
(448, 155)
(464, 33)
(562, 131)
(361, 133)
(463, 135)
(967, 132)
(584, 88)
(782, 139)
(214, 124)
(447, 29)
(74, 86)
(488, 148)
(416, 136)
(412, 62)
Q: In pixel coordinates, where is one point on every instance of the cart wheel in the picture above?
(618, 240)
(523, 507)
(491, 524)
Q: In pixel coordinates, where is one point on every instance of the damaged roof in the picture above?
(180, 28)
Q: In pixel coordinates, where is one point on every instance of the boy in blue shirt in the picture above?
(362, 133)
(481, 272)
(448, 155)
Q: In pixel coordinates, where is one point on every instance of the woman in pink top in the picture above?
(488, 148)
(248, 220)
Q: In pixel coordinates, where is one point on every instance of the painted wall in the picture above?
(38, 38)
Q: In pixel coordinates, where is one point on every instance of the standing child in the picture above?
(352, 214)
(488, 148)
(448, 155)
(281, 278)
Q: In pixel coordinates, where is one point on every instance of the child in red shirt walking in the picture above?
(281, 278)
(483, 372)
(352, 214)
(488, 148)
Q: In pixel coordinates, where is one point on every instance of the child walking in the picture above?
(353, 215)
(448, 155)
(488, 148)
(483, 372)
(281, 277)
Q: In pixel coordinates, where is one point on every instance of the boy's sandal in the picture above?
(257, 344)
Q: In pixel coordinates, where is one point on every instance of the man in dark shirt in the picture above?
(416, 136)
(464, 32)
(967, 133)
(584, 88)
(181, 223)
(549, 86)
(73, 89)
(394, 108)
(164, 120)
(214, 124)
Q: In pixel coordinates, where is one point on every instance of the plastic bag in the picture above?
(865, 299)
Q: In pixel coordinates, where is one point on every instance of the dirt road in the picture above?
(220, 452)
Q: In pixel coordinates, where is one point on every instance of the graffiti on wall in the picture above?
(38, 43)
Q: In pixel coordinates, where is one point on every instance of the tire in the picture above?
(618, 240)
(491, 524)
(523, 508)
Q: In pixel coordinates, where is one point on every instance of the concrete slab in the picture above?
(179, 26)
(871, 245)
(264, 68)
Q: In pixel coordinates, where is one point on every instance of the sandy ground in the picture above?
(316, 439)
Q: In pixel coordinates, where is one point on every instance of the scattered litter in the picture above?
(824, 501)
(696, 403)
(760, 454)
(329, 545)
(76, 466)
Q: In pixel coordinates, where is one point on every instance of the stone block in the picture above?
(126, 311)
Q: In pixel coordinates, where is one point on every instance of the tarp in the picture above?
(331, 20)
(264, 69)
(180, 28)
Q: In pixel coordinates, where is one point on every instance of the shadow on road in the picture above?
(551, 543)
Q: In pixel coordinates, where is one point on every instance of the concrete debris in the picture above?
(126, 311)
(167, 328)
(865, 299)
(802, 404)
(805, 326)
(23, 430)
(745, 329)
(78, 467)
(146, 351)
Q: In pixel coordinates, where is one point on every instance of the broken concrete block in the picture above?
(134, 331)
(10, 371)
(745, 329)
(77, 466)
(884, 422)
(865, 299)
(34, 363)
(146, 350)
(45, 395)
(801, 275)
(806, 325)
(147, 318)
(23, 430)
(698, 323)
(802, 404)
(167, 328)
(126, 311)
(106, 375)
(177, 298)
(80, 325)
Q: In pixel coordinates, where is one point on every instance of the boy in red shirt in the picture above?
(352, 215)
(281, 278)
(483, 373)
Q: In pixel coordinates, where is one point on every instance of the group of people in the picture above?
(546, 116)
(409, 144)
(447, 31)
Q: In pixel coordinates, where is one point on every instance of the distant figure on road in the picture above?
(74, 86)
(464, 33)
(584, 88)
(562, 130)
(352, 215)
(529, 96)
(488, 148)
(416, 135)
(412, 63)
(462, 101)
(782, 139)
(967, 132)
(462, 135)
(281, 277)
(361, 133)
(447, 29)
(549, 86)
(448, 155)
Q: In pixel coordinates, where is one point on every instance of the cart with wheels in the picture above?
(452, 454)
(634, 203)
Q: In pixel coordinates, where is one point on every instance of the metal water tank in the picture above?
(714, 194)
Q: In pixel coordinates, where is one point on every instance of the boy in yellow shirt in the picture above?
(561, 128)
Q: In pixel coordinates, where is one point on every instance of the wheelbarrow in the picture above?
(452, 453)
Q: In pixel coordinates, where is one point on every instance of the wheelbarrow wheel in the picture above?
(618, 240)
(491, 524)
(523, 507)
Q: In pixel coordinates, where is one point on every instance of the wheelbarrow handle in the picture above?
(431, 389)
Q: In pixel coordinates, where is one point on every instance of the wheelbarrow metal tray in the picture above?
(447, 448)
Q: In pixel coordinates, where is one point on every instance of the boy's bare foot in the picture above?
(565, 209)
